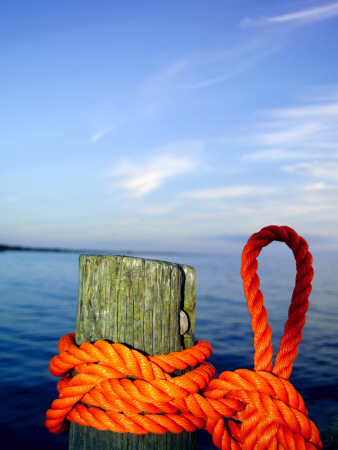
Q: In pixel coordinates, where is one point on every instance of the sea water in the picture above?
(38, 297)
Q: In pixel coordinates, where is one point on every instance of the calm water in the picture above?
(38, 296)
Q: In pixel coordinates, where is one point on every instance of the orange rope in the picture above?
(130, 392)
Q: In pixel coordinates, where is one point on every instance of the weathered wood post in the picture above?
(136, 302)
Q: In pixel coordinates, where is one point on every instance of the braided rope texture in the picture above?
(111, 387)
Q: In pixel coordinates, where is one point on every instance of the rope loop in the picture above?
(299, 302)
(119, 389)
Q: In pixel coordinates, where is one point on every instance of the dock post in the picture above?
(136, 302)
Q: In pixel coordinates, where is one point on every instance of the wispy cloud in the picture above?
(221, 192)
(159, 210)
(247, 63)
(328, 109)
(197, 72)
(165, 79)
(275, 154)
(140, 178)
(304, 133)
(298, 133)
(268, 204)
(306, 16)
(103, 132)
(327, 170)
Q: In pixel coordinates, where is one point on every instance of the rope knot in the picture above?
(273, 415)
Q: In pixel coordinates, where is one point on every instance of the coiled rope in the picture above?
(244, 409)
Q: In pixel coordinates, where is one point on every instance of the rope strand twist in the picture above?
(122, 390)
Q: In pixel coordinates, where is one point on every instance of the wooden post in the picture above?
(136, 302)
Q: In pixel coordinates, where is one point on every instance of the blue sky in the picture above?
(167, 125)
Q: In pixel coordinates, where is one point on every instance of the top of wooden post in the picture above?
(135, 301)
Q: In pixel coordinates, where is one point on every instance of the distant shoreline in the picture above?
(20, 248)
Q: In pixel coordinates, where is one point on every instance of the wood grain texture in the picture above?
(136, 302)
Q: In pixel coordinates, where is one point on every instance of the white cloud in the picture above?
(327, 109)
(304, 132)
(141, 178)
(274, 155)
(266, 210)
(327, 170)
(220, 192)
(317, 187)
(299, 123)
(306, 16)
(300, 133)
